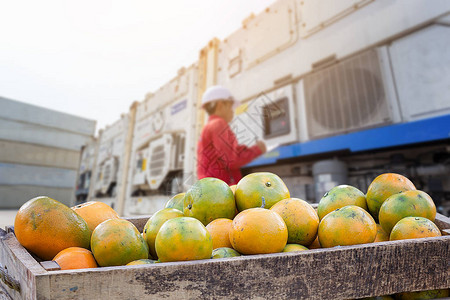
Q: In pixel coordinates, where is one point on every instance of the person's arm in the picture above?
(233, 154)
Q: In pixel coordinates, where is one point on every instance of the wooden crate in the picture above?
(336, 273)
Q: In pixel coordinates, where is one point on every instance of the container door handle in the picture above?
(8, 280)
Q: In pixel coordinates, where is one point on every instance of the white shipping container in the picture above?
(40, 135)
(15, 174)
(27, 113)
(85, 171)
(13, 196)
(163, 148)
(30, 154)
(110, 154)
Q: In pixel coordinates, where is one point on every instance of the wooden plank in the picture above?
(335, 273)
(21, 267)
(442, 221)
(4, 295)
(50, 265)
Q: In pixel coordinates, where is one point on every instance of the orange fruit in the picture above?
(384, 186)
(406, 204)
(75, 258)
(116, 242)
(349, 225)
(340, 196)
(220, 232)
(141, 262)
(209, 199)
(176, 201)
(258, 231)
(261, 189)
(95, 212)
(224, 252)
(183, 238)
(45, 227)
(414, 228)
(432, 294)
(233, 188)
(294, 248)
(382, 236)
(315, 244)
(155, 222)
(301, 220)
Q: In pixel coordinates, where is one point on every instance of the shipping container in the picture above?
(39, 152)
(103, 171)
(162, 152)
(88, 158)
(344, 91)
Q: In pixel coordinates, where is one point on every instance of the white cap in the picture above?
(215, 93)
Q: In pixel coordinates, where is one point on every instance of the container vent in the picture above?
(346, 97)
(180, 141)
(107, 174)
(157, 161)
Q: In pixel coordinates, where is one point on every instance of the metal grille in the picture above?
(179, 154)
(346, 97)
(106, 174)
(157, 161)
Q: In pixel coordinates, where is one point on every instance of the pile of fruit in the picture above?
(214, 220)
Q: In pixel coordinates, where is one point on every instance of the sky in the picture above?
(94, 58)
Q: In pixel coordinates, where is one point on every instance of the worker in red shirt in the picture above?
(219, 154)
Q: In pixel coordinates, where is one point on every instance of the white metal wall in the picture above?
(39, 151)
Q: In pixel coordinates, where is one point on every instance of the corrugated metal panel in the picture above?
(14, 174)
(18, 111)
(40, 135)
(13, 196)
(29, 154)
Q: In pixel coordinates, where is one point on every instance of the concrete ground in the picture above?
(7, 217)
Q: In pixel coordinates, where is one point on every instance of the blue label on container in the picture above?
(178, 107)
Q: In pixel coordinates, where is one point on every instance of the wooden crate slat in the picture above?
(338, 273)
(21, 266)
(442, 222)
(50, 265)
(3, 294)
